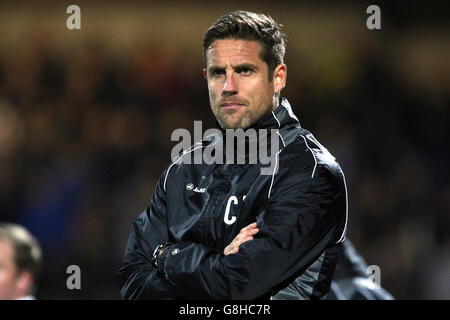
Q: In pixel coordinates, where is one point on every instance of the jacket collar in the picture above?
(281, 117)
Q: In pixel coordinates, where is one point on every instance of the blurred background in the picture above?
(86, 117)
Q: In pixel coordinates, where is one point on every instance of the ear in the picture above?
(205, 73)
(279, 77)
(24, 283)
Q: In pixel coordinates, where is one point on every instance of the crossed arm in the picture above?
(290, 236)
(142, 280)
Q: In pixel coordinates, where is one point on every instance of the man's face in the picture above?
(8, 272)
(240, 92)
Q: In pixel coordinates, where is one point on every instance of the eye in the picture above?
(244, 71)
(217, 72)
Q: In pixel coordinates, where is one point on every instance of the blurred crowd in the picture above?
(85, 134)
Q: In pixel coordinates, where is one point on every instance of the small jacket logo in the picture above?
(191, 187)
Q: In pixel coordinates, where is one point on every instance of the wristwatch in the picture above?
(159, 252)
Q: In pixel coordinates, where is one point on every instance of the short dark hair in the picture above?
(254, 27)
(27, 252)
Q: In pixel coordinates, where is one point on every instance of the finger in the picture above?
(250, 226)
(243, 237)
(233, 247)
(230, 250)
(237, 244)
(247, 233)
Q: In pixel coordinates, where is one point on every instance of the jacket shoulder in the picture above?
(306, 153)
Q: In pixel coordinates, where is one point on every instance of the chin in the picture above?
(228, 126)
(238, 124)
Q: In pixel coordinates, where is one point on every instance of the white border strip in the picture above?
(273, 174)
(344, 236)
(276, 156)
(279, 125)
(181, 156)
(282, 140)
(314, 156)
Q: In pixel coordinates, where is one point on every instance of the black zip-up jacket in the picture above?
(300, 209)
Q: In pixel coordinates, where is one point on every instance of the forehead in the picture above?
(233, 51)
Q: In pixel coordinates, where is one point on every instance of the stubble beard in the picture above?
(246, 121)
(226, 122)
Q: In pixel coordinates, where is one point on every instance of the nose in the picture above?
(230, 86)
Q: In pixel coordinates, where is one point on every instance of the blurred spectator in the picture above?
(20, 263)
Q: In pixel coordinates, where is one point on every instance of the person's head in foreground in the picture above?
(245, 70)
(20, 261)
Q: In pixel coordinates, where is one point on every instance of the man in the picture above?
(20, 261)
(351, 280)
(226, 231)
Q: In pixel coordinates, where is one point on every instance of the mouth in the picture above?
(231, 105)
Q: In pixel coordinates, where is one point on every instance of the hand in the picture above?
(246, 234)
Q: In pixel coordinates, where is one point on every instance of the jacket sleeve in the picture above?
(302, 217)
(138, 277)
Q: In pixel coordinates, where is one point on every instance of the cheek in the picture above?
(6, 281)
(261, 88)
(214, 86)
(262, 95)
(212, 95)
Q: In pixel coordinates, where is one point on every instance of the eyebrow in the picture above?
(239, 66)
